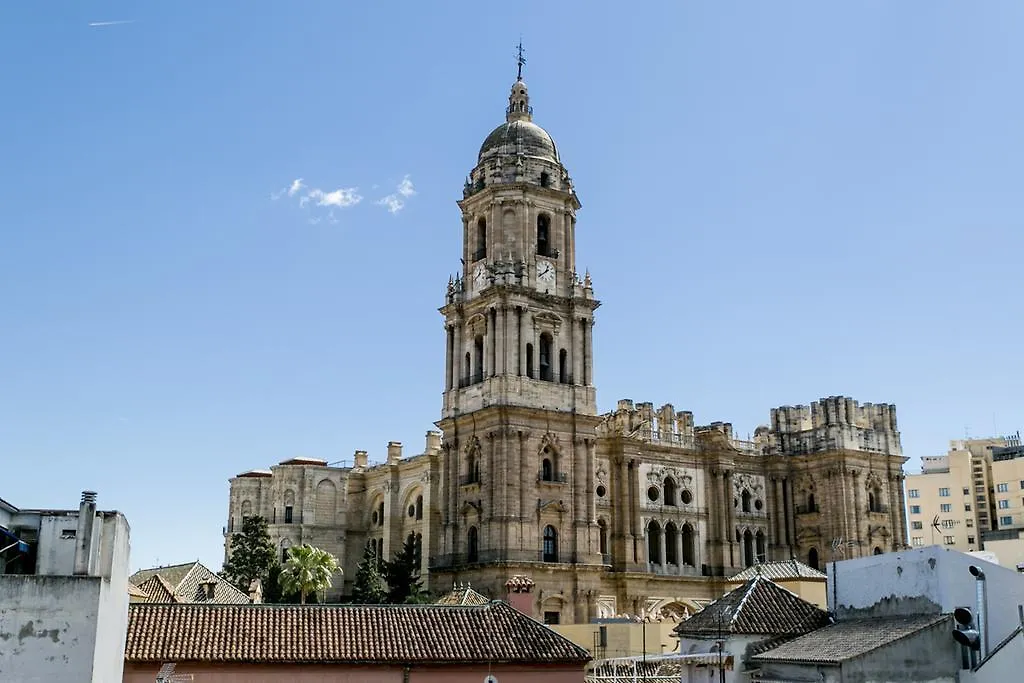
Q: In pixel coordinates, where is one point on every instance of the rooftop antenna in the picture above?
(935, 527)
(520, 60)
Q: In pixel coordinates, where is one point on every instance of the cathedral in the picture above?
(635, 511)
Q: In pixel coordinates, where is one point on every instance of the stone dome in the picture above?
(519, 136)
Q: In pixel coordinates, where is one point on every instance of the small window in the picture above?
(550, 550)
(944, 493)
(551, 618)
(967, 507)
(970, 539)
(949, 540)
(1002, 488)
(1004, 504)
(380, 514)
(945, 507)
(419, 507)
(1022, 483)
(914, 493)
(980, 498)
(481, 240)
(601, 491)
(758, 505)
(970, 523)
(68, 533)
(670, 491)
(1006, 521)
(917, 525)
(916, 541)
(915, 509)
(686, 497)
(472, 545)
(653, 493)
(967, 489)
(545, 179)
(287, 514)
(412, 510)
(543, 235)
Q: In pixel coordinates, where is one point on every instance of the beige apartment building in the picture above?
(972, 494)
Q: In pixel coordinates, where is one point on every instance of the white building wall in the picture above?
(931, 579)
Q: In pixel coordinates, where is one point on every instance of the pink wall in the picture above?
(318, 673)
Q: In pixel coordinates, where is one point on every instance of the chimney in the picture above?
(433, 442)
(520, 593)
(256, 591)
(83, 537)
(394, 452)
(361, 459)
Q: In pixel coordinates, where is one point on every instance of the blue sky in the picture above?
(781, 201)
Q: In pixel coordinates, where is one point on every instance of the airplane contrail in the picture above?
(111, 23)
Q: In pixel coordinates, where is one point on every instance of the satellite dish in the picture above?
(491, 679)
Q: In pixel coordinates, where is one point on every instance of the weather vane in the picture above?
(520, 60)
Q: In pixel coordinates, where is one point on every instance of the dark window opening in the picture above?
(745, 501)
(748, 549)
(380, 514)
(877, 551)
(688, 548)
(529, 361)
(601, 490)
(811, 507)
(481, 240)
(654, 543)
(760, 547)
(543, 235)
(552, 618)
(812, 558)
(686, 497)
(419, 507)
(545, 179)
(602, 537)
(550, 544)
(670, 491)
(472, 545)
(563, 366)
(671, 551)
(472, 469)
(547, 470)
(545, 357)
(478, 359)
(287, 514)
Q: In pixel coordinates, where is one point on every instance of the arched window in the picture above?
(563, 366)
(760, 547)
(472, 469)
(602, 537)
(545, 357)
(478, 359)
(467, 372)
(689, 555)
(654, 543)
(380, 513)
(547, 470)
(481, 239)
(812, 558)
(550, 544)
(545, 179)
(671, 536)
(529, 361)
(871, 502)
(543, 235)
(877, 551)
(811, 507)
(669, 491)
(289, 505)
(748, 548)
(745, 501)
(419, 507)
(472, 545)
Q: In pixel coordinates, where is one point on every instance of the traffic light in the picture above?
(966, 633)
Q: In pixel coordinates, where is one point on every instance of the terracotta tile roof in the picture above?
(760, 607)
(849, 639)
(136, 592)
(184, 583)
(780, 571)
(494, 632)
(462, 595)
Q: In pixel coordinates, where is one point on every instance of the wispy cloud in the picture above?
(96, 24)
(395, 201)
(320, 203)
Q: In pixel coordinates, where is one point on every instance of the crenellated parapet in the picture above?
(833, 423)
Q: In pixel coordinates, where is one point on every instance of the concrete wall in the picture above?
(928, 656)
(624, 640)
(926, 580)
(342, 673)
(112, 620)
(1003, 666)
(48, 628)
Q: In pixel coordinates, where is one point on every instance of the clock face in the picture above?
(545, 272)
(480, 276)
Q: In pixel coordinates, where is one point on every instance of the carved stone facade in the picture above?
(637, 510)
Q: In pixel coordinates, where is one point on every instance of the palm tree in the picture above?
(308, 570)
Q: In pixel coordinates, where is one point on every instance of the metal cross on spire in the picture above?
(520, 60)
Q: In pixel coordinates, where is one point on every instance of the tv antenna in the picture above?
(935, 527)
(167, 675)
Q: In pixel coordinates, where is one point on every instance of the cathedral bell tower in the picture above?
(519, 412)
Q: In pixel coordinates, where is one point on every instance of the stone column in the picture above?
(513, 355)
(577, 351)
(588, 356)
(787, 486)
(855, 478)
(524, 335)
(499, 342)
(459, 362)
(449, 350)
(663, 560)
(591, 447)
(679, 550)
(535, 340)
(892, 510)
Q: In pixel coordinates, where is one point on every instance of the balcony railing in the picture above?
(557, 478)
(879, 510)
(509, 555)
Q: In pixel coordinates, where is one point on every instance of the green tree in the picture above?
(403, 574)
(308, 570)
(369, 587)
(251, 555)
